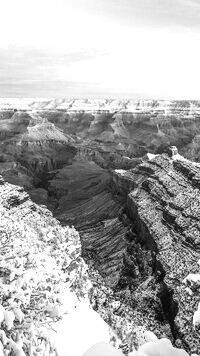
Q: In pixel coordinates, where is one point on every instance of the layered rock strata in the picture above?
(165, 206)
(44, 135)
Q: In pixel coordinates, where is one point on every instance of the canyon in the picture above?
(110, 168)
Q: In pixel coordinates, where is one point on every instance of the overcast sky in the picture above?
(100, 48)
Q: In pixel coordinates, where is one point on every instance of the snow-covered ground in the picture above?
(44, 285)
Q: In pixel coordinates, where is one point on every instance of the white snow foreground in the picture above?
(44, 287)
(78, 331)
(191, 280)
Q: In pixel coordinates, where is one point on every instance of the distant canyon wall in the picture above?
(127, 127)
(44, 143)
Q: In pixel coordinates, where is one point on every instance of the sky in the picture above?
(138, 49)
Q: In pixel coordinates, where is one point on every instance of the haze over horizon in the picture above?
(139, 49)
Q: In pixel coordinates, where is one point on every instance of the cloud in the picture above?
(144, 63)
(21, 63)
(87, 47)
(154, 13)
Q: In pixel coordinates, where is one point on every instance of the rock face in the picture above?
(165, 206)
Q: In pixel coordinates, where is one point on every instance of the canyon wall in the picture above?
(165, 207)
(40, 138)
(97, 164)
(132, 127)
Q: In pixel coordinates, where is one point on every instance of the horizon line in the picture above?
(95, 98)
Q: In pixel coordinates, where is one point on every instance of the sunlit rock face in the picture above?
(165, 206)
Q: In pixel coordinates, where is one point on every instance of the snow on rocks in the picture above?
(77, 331)
(9, 318)
(43, 279)
(1, 314)
(191, 281)
(196, 316)
(192, 278)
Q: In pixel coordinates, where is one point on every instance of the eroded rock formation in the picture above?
(42, 136)
(112, 132)
(165, 207)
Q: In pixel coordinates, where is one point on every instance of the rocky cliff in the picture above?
(42, 275)
(165, 206)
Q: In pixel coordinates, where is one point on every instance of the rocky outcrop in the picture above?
(165, 207)
(31, 232)
(123, 181)
(39, 260)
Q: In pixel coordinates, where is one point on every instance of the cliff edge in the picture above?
(164, 204)
(44, 284)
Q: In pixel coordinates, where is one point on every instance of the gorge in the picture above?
(110, 168)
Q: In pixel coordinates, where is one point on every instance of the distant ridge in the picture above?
(94, 105)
